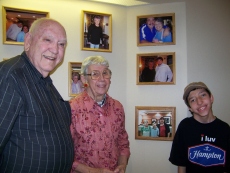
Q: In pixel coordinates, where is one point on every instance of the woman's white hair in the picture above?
(98, 60)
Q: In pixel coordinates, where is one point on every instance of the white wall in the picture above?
(202, 53)
(68, 13)
(208, 58)
(147, 155)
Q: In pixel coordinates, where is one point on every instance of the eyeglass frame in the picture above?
(100, 74)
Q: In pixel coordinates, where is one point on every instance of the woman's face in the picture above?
(158, 26)
(75, 79)
(98, 87)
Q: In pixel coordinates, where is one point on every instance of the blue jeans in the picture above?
(94, 46)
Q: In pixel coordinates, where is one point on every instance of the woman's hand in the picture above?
(120, 169)
(99, 170)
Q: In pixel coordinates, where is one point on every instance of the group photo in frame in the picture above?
(150, 120)
(17, 22)
(96, 31)
(75, 84)
(156, 68)
(156, 29)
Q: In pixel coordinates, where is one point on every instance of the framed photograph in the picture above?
(167, 120)
(156, 68)
(96, 31)
(156, 29)
(75, 84)
(17, 22)
(149, 122)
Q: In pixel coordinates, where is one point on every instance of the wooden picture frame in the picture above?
(150, 73)
(156, 30)
(74, 71)
(15, 20)
(89, 29)
(148, 120)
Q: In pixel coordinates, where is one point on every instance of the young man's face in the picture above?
(151, 65)
(159, 61)
(150, 22)
(96, 21)
(200, 104)
(19, 25)
(162, 121)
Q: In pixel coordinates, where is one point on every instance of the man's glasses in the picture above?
(95, 74)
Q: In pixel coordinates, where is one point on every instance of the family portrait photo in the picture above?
(155, 123)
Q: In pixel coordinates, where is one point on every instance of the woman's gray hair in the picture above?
(98, 60)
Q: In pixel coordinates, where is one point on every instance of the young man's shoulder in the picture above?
(186, 121)
(222, 123)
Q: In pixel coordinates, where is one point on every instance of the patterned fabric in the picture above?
(98, 132)
(34, 121)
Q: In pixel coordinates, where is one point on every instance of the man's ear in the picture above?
(27, 41)
(212, 98)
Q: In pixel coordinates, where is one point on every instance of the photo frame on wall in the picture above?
(75, 84)
(156, 30)
(16, 22)
(156, 68)
(149, 120)
(96, 31)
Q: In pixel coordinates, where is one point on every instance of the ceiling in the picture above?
(129, 3)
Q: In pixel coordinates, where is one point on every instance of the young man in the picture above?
(163, 71)
(148, 74)
(13, 30)
(202, 142)
(95, 33)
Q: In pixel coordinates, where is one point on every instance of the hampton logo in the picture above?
(206, 155)
(206, 138)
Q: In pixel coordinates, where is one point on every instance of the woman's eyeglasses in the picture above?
(95, 74)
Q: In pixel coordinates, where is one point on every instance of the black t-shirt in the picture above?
(95, 34)
(148, 75)
(201, 148)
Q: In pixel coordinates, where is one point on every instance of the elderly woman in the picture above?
(76, 85)
(101, 142)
